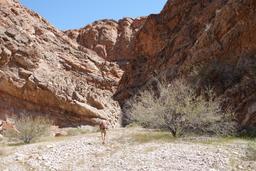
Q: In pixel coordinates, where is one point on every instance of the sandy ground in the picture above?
(128, 149)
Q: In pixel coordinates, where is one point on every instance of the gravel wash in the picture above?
(122, 153)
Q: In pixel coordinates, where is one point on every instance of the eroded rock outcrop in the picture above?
(112, 40)
(42, 71)
(68, 75)
(219, 34)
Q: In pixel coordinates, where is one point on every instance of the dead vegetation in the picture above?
(180, 109)
(30, 128)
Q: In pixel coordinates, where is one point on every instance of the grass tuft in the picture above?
(146, 137)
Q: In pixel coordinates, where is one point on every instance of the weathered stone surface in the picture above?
(5, 56)
(188, 34)
(112, 40)
(43, 72)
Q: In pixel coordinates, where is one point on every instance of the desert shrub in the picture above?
(80, 130)
(31, 129)
(180, 109)
(217, 75)
(248, 132)
(73, 132)
(223, 75)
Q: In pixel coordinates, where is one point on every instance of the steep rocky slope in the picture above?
(217, 36)
(42, 71)
(68, 76)
(112, 40)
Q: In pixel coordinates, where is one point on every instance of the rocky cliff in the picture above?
(71, 76)
(217, 36)
(112, 40)
(44, 72)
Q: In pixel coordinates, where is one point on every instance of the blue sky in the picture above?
(70, 14)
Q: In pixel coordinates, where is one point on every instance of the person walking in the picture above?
(103, 130)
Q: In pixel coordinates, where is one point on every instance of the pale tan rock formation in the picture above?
(44, 72)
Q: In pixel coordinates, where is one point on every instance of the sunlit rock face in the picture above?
(217, 35)
(73, 75)
(112, 40)
(44, 72)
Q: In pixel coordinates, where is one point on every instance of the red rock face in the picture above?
(217, 33)
(42, 71)
(112, 40)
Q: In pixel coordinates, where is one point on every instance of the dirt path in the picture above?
(127, 153)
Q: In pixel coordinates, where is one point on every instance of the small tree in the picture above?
(30, 128)
(178, 108)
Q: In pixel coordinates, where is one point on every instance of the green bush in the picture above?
(31, 129)
(179, 109)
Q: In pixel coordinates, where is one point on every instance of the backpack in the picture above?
(103, 125)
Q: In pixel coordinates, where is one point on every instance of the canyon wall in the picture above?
(44, 72)
(112, 40)
(217, 36)
(72, 75)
